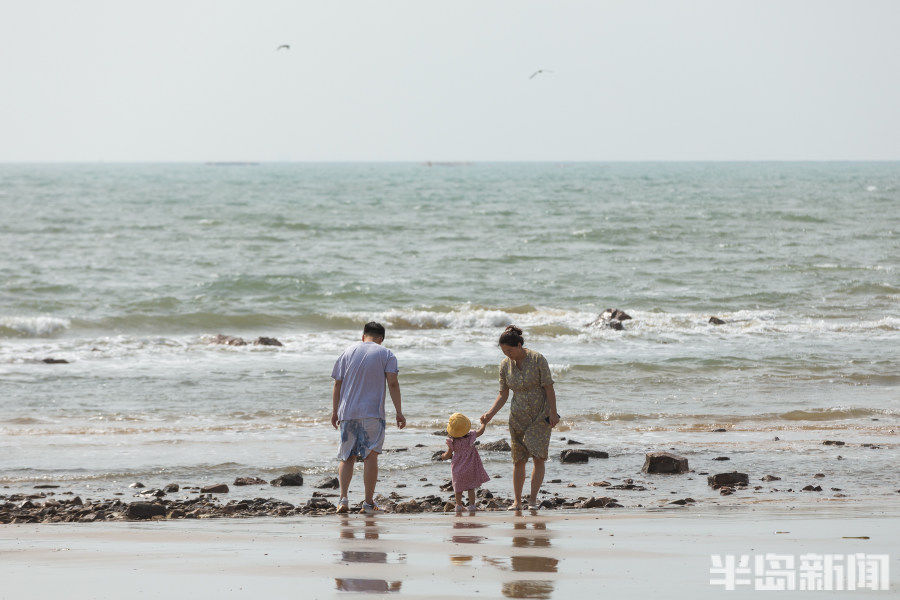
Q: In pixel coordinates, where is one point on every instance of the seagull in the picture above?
(283, 47)
(538, 72)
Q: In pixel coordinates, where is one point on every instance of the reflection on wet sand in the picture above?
(531, 564)
(467, 539)
(370, 531)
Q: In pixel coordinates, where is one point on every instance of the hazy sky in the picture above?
(434, 80)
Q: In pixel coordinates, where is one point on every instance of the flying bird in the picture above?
(283, 47)
(538, 72)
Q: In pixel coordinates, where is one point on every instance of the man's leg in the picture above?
(370, 476)
(345, 474)
(537, 479)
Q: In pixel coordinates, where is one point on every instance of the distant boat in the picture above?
(231, 163)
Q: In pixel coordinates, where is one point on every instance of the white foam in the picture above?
(34, 326)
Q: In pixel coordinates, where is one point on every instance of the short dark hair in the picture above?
(374, 329)
(512, 336)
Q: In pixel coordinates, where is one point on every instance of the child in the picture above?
(466, 468)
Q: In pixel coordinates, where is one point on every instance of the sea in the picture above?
(128, 272)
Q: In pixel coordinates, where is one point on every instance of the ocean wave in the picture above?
(814, 414)
(39, 326)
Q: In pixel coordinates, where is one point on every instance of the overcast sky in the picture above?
(434, 80)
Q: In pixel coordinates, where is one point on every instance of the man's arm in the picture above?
(394, 388)
(335, 402)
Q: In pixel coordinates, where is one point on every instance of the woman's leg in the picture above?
(537, 479)
(518, 480)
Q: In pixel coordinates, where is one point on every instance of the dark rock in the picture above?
(55, 361)
(664, 462)
(771, 478)
(442, 432)
(719, 430)
(228, 340)
(136, 484)
(419, 446)
(721, 458)
(728, 479)
(288, 479)
(396, 450)
(45, 486)
(617, 325)
(819, 475)
(498, 446)
(219, 488)
(683, 501)
(602, 502)
(319, 503)
(871, 446)
(614, 314)
(437, 455)
(573, 456)
(628, 485)
(716, 321)
(266, 341)
(555, 481)
(171, 488)
(833, 443)
(144, 510)
(330, 483)
(447, 485)
(250, 481)
(812, 488)
(572, 442)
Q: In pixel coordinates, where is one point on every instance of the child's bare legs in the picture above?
(471, 497)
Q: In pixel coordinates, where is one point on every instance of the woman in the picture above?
(533, 411)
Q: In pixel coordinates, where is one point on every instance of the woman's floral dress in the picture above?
(529, 432)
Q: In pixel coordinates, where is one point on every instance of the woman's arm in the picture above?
(502, 397)
(551, 405)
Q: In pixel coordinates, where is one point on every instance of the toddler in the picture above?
(466, 468)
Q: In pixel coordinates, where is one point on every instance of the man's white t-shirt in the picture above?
(361, 370)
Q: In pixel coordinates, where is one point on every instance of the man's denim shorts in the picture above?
(361, 436)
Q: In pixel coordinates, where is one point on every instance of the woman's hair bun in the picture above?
(512, 336)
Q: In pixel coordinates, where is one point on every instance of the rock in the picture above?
(250, 481)
(573, 456)
(719, 430)
(437, 455)
(664, 463)
(144, 510)
(600, 483)
(871, 446)
(617, 325)
(683, 501)
(330, 483)
(602, 502)
(228, 340)
(442, 432)
(572, 442)
(819, 475)
(728, 479)
(555, 481)
(447, 485)
(716, 321)
(55, 361)
(171, 488)
(833, 443)
(219, 488)
(319, 503)
(771, 478)
(498, 446)
(812, 488)
(628, 485)
(614, 314)
(45, 486)
(288, 479)
(266, 341)
(721, 458)
(136, 484)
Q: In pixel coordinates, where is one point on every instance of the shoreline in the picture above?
(494, 555)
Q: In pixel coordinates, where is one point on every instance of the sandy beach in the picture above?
(495, 555)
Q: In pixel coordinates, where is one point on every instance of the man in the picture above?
(358, 409)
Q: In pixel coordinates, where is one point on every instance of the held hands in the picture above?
(401, 421)
(486, 418)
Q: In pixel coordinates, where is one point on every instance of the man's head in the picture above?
(373, 332)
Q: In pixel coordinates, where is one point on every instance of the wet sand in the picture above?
(563, 554)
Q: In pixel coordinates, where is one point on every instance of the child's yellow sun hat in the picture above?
(458, 425)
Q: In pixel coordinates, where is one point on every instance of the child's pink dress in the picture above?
(466, 468)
